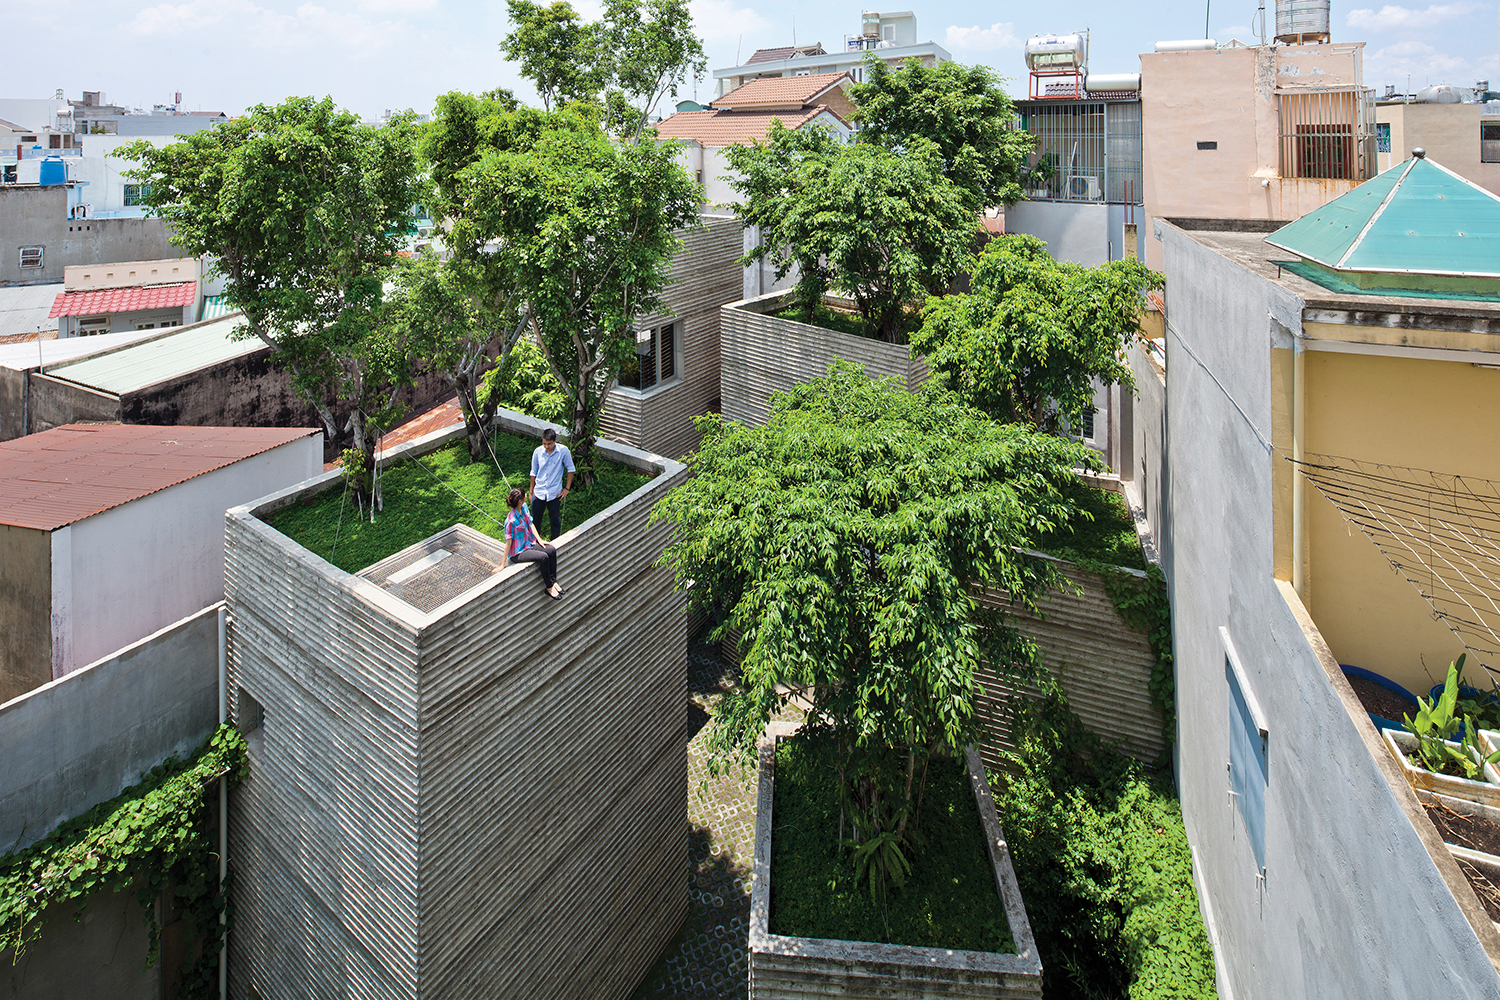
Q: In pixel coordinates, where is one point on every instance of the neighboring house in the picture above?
(1324, 496)
(1462, 137)
(745, 116)
(891, 37)
(113, 532)
(675, 375)
(24, 313)
(41, 237)
(130, 295)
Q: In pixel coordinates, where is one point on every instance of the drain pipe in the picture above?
(223, 809)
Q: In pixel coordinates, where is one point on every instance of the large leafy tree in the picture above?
(845, 538)
(1033, 333)
(886, 228)
(301, 207)
(962, 109)
(579, 227)
(558, 52)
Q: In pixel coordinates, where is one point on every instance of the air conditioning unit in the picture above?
(1086, 188)
(424, 232)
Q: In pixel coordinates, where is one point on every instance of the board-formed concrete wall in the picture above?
(763, 354)
(1355, 902)
(486, 801)
(1148, 474)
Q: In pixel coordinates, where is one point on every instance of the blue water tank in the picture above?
(54, 171)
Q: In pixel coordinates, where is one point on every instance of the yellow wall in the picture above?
(1435, 415)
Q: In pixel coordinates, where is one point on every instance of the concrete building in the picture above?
(1464, 137)
(130, 295)
(113, 532)
(41, 239)
(1321, 492)
(891, 37)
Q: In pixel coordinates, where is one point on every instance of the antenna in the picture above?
(1207, 6)
(737, 49)
(794, 31)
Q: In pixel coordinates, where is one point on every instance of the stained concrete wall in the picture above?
(38, 216)
(101, 953)
(1448, 132)
(25, 604)
(81, 740)
(1356, 901)
(1147, 472)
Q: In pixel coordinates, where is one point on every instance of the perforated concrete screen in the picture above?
(436, 570)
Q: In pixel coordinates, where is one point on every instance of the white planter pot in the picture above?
(1487, 791)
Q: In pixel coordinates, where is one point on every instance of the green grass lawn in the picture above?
(420, 503)
(1109, 537)
(846, 322)
(949, 901)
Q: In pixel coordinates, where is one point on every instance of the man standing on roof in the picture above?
(547, 486)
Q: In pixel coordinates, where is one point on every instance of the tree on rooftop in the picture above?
(960, 108)
(845, 538)
(886, 228)
(301, 209)
(1029, 339)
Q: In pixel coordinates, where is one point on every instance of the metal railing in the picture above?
(1086, 151)
(1328, 134)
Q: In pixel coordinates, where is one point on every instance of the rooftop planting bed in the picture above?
(843, 320)
(1108, 537)
(424, 495)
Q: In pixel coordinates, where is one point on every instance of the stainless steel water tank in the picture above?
(1056, 52)
(1300, 21)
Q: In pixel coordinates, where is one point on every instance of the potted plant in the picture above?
(1437, 757)
(1386, 701)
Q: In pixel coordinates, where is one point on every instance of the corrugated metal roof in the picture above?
(23, 356)
(188, 350)
(54, 478)
(1419, 217)
(24, 309)
(121, 300)
(215, 306)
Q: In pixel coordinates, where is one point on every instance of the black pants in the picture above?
(552, 507)
(544, 554)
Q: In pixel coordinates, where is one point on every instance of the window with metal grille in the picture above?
(1489, 142)
(136, 194)
(1328, 134)
(1085, 150)
(655, 359)
(31, 256)
(1382, 137)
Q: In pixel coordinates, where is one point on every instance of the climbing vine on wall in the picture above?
(1144, 605)
(158, 834)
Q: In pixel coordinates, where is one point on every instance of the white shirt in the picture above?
(548, 470)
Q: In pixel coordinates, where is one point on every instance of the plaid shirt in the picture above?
(519, 534)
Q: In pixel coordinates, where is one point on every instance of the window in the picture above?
(136, 194)
(1249, 763)
(1328, 134)
(31, 256)
(1382, 137)
(54, 142)
(89, 326)
(250, 715)
(28, 138)
(655, 359)
(1489, 142)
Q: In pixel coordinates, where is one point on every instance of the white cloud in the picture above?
(1423, 63)
(386, 6)
(721, 20)
(589, 11)
(996, 36)
(1241, 31)
(1392, 16)
(261, 27)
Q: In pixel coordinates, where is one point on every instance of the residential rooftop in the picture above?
(727, 128)
(781, 92)
(181, 352)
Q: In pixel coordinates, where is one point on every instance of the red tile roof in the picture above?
(730, 128)
(784, 52)
(780, 91)
(120, 300)
(54, 478)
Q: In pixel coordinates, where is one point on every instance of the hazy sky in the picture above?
(371, 55)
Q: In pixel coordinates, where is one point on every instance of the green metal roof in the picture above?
(215, 306)
(1416, 218)
(178, 353)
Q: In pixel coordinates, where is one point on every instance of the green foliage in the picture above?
(1145, 606)
(557, 51)
(1030, 339)
(156, 835)
(522, 382)
(886, 228)
(435, 492)
(963, 109)
(945, 898)
(1102, 858)
(300, 208)
(844, 539)
(584, 229)
(1440, 746)
(826, 317)
(1103, 530)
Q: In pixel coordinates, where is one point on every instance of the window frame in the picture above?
(1249, 746)
(660, 381)
(133, 195)
(40, 252)
(1489, 149)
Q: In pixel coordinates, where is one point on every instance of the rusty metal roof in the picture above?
(54, 478)
(728, 128)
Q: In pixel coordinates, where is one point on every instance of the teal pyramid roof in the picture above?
(1418, 217)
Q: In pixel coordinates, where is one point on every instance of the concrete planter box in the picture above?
(1486, 792)
(761, 353)
(448, 760)
(782, 967)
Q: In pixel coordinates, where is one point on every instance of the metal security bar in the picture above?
(1085, 151)
(1328, 134)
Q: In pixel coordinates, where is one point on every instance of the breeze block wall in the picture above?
(484, 801)
(763, 353)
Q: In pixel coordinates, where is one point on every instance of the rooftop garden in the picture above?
(426, 494)
(1102, 530)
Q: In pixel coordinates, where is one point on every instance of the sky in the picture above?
(374, 55)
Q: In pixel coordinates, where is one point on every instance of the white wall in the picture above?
(1074, 231)
(138, 567)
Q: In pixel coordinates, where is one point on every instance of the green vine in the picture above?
(156, 835)
(1145, 607)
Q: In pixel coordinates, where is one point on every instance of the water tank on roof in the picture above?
(1300, 21)
(870, 24)
(1060, 52)
(53, 171)
(1441, 93)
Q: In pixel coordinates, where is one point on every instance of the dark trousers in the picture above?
(544, 554)
(552, 507)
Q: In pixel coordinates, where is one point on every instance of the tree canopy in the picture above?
(1033, 333)
(300, 208)
(962, 109)
(887, 228)
(843, 539)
